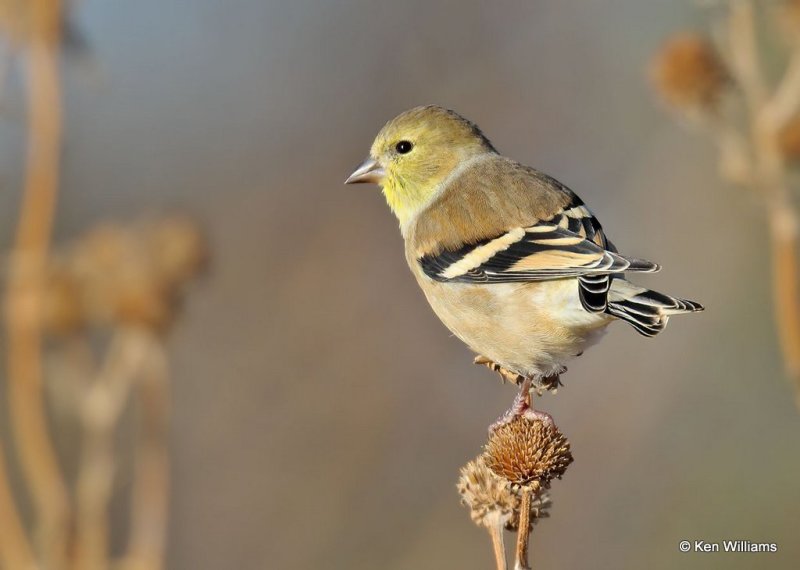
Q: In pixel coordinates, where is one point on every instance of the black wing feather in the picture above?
(573, 233)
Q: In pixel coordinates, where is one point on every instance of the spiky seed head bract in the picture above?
(528, 452)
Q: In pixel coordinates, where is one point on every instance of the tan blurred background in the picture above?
(320, 411)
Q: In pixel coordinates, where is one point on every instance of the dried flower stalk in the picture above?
(757, 157)
(768, 116)
(506, 486)
(102, 407)
(23, 295)
(523, 534)
(15, 549)
(151, 485)
(121, 283)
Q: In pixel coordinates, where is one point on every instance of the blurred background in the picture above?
(320, 412)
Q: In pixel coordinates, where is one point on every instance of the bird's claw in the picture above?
(541, 385)
(506, 375)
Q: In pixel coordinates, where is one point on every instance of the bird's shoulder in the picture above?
(488, 198)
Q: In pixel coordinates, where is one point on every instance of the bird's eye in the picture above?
(403, 147)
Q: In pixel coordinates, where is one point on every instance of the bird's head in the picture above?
(415, 152)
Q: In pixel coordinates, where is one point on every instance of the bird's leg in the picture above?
(551, 383)
(522, 402)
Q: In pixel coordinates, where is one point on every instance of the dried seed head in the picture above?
(178, 248)
(689, 74)
(490, 498)
(119, 278)
(528, 452)
(144, 302)
(132, 275)
(789, 140)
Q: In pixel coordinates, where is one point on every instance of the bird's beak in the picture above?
(369, 171)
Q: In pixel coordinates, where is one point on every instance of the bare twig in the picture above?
(496, 531)
(767, 117)
(524, 530)
(744, 53)
(151, 487)
(786, 100)
(735, 164)
(15, 549)
(786, 278)
(102, 407)
(24, 294)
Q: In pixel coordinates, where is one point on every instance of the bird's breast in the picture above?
(531, 328)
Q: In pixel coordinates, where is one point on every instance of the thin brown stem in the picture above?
(744, 53)
(102, 407)
(524, 530)
(786, 289)
(496, 530)
(151, 486)
(15, 549)
(24, 293)
(785, 102)
(735, 164)
(767, 116)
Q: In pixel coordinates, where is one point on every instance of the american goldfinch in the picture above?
(510, 259)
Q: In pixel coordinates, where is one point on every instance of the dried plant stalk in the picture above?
(102, 407)
(506, 486)
(147, 543)
(757, 156)
(127, 282)
(768, 116)
(23, 296)
(498, 544)
(524, 531)
(15, 550)
(786, 290)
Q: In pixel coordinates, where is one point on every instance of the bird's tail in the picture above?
(647, 311)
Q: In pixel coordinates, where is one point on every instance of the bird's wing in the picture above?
(503, 222)
(569, 244)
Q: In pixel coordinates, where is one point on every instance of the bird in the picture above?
(510, 259)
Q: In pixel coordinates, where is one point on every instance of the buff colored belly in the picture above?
(530, 328)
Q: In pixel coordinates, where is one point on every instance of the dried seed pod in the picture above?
(489, 497)
(178, 249)
(689, 74)
(528, 452)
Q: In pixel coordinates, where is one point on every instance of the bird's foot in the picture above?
(522, 407)
(521, 404)
(536, 415)
(540, 384)
(506, 375)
